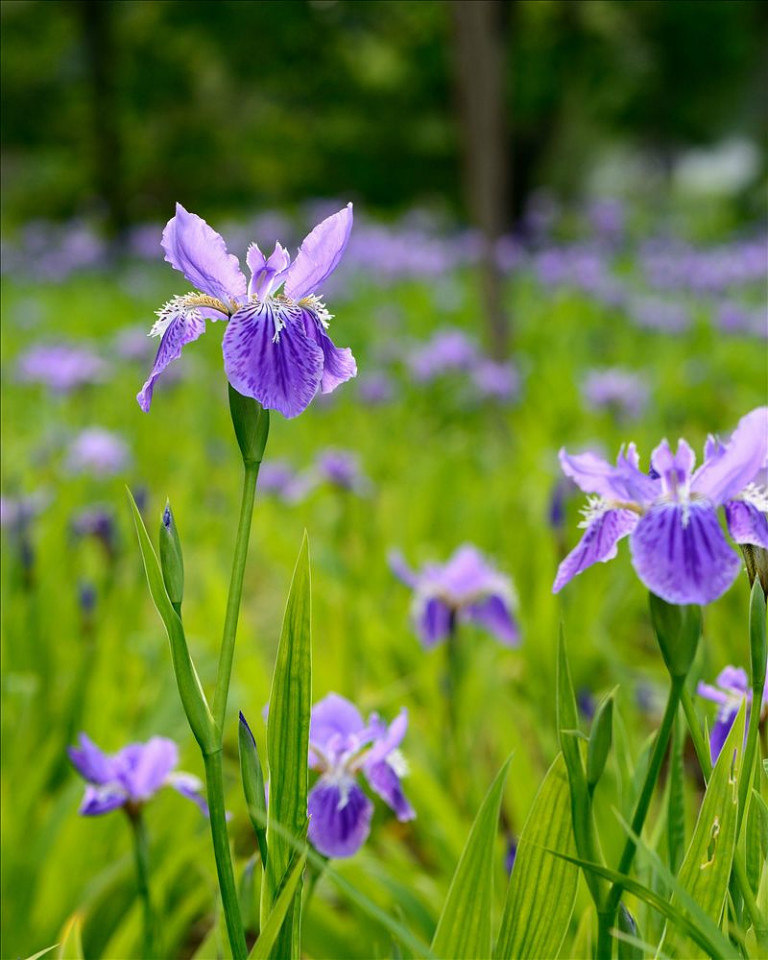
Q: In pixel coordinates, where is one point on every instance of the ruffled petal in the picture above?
(338, 363)
(98, 800)
(197, 251)
(494, 614)
(91, 762)
(268, 356)
(730, 469)
(385, 782)
(599, 544)
(339, 817)
(681, 554)
(746, 523)
(319, 255)
(183, 329)
(433, 619)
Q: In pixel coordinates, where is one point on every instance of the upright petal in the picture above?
(388, 740)
(91, 762)
(725, 475)
(268, 356)
(319, 255)
(622, 482)
(494, 614)
(183, 329)
(339, 817)
(384, 781)
(333, 715)
(195, 249)
(599, 544)
(673, 469)
(266, 275)
(156, 760)
(338, 363)
(746, 523)
(681, 555)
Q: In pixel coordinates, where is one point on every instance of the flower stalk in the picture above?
(141, 851)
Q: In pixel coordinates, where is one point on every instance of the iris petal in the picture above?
(725, 474)
(494, 615)
(338, 363)
(183, 329)
(746, 523)
(599, 544)
(319, 254)
(339, 820)
(385, 782)
(197, 251)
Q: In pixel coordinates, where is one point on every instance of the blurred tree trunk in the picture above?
(479, 32)
(96, 21)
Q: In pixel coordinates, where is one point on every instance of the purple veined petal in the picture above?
(148, 772)
(598, 545)
(338, 363)
(673, 469)
(384, 781)
(725, 475)
(494, 614)
(339, 817)
(197, 251)
(334, 716)
(182, 329)
(266, 275)
(387, 741)
(91, 762)
(433, 619)
(190, 787)
(282, 372)
(319, 255)
(103, 799)
(746, 523)
(680, 553)
(401, 570)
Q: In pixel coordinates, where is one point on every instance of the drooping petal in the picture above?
(149, 772)
(384, 781)
(195, 249)
(727, 473)
(98, 800)
(433, 619)
(388, 739)
(494, 614)
(681, 554)
(339, 817)
(268, 356)
(401, 570)
(338, 363)
(190, 787)
(333, 716)
(91, 762)
(183, 329)
(746, 523)
(599, 544)
(266, 275)
(319, 255)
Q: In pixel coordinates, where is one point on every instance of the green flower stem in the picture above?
(235, 594)
(214, 777)
(141, 850)
(607, 916)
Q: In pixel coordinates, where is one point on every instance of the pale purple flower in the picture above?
(616, 390)
(61, 367)
(98, 452)
(97, 522)
(278, 478)
(132, 776)
(678, 549)
(132, 344)
(341, 469)
(495, 381)
(16, 513)
(448, 351)
(276, 348)
(341, 746)
(729, 691)
(376, 388)
(466, 589)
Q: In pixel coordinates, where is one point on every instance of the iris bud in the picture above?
(677, 631)
(251, 423)
(171, 560)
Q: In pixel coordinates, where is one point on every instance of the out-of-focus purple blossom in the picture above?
(98, 452)
(541, 214)
(466, 589)
(132, 344)
(652, 313)
(732, 318)
(556, 513)
(511, 855)
(16, 513)
(342, 745)
(729, 691)
(621, 392)
(132, 776)
(495, 381)
(448, 351)
(376, 388)
(341, 469)
(97, 522)
(61, 367)
(607, 218)
(669, 264)
(278, 478)
(678, 549)
(86, 597)
(276, 346)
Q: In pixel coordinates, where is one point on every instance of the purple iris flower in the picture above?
(276, 348)
(466, 589)
(448, 351)
(618, 391)
(99, 452)
(730, 689)
(132, 776)
(495, 381)
(61, 367)
(341, 745)
(341, 469)
(278, 478)
(678, 548)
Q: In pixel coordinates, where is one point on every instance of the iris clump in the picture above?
(729, 691)
(341, 746)
(132, 776)
(670, 513)
(466, 589)
(276, 348)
